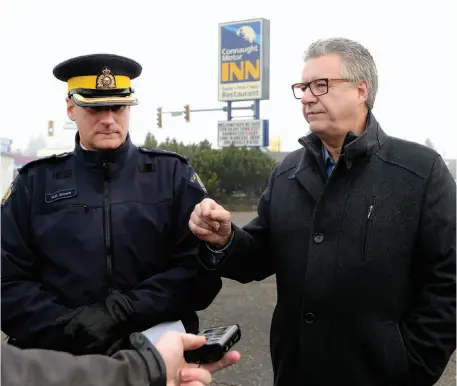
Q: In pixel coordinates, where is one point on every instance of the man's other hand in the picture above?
(179, 373)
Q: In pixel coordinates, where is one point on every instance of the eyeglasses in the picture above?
(317, 87)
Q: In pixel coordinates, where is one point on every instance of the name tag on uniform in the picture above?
(60, 195)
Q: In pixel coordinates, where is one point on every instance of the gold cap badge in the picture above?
(106, 80)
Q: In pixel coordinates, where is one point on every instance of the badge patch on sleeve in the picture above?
(196, 179)
(8, 194)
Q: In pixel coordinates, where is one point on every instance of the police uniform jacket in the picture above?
(79, 225)
(364, 263)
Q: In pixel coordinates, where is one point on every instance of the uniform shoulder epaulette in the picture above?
(49, 158)
(163, 152)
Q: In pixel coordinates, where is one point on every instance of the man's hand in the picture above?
(210, 222)
(179, 373)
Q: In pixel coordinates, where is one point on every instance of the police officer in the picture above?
(95, 243)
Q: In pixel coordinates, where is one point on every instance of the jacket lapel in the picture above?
(310, 175)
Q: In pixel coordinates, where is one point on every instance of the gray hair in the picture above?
(358, 64)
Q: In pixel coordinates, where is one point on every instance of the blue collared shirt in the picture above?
(328, 161)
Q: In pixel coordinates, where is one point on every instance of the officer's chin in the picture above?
(108, 142)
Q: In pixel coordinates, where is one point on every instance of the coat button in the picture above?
(309, 317)
(318, 238)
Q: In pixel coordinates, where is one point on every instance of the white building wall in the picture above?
(6, 173)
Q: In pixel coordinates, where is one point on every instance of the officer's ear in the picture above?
(70, 109)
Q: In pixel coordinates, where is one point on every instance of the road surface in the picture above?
(251, 306)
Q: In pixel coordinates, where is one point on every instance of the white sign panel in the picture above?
(249, 133)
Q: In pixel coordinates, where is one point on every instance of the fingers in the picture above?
(72, 328)
(219, 215)
(193, 383)
(207, 218)
(202, 226)
(209, 204)
(191, 341)
(210, 210)
(195, 376)
(229, 359)
(67, 317)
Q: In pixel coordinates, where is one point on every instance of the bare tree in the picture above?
(429, 143)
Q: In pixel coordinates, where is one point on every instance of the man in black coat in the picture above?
(95, 242)
(359, 228)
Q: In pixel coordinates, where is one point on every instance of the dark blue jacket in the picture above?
(80, 224)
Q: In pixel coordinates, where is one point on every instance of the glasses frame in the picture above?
(307, 85)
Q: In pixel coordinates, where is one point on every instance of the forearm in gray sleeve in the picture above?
(44, 367)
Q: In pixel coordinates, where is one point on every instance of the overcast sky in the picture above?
(413, 43)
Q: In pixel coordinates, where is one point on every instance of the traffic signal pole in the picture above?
(187, 110)
(159, 117)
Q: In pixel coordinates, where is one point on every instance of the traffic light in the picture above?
(159, 117)
(50, 128)
(187, 113)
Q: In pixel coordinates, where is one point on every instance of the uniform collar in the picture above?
(112, 159)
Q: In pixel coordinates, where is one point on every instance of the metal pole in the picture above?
(198, 110)
(257, 109)
(242, 108)
(229, 111)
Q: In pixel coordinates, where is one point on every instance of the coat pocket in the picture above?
(395, 356)
(369, 221)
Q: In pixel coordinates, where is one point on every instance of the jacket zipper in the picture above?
(368, 226)
(107, 227)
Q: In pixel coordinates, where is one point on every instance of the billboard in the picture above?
(244, 60)
(249, 133)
